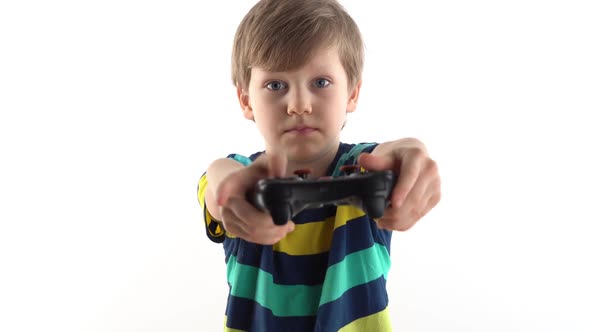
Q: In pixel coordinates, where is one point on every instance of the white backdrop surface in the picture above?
(111, 110)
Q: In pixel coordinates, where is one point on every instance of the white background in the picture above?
(111, 110)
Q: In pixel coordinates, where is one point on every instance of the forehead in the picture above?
(323, 60)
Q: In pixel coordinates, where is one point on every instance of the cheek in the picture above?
(266, 119)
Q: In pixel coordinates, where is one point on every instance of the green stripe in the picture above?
(301, 300)
(282, 300)
(348, 273)
(242, 160)
(355, 151)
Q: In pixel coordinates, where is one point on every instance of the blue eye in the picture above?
(321, 83)
(275, 85)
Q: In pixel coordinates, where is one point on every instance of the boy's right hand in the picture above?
(240, 217)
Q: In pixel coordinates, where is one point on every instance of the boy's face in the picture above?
(301, 112)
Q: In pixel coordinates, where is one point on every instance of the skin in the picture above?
(300, 115)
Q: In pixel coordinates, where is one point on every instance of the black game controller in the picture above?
(284, 198)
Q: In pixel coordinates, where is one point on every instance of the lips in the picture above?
(301, 129)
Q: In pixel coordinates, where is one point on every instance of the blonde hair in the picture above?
(281, 35)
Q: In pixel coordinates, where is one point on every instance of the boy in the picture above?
(297, 68)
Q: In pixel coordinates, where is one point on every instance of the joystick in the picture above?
(285, 197)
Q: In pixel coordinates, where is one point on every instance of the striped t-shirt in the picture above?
(329, 274)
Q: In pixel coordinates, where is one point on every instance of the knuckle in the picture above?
(404, 221)
(437, 184)
(415, 199)
(417, 152)
(410, 140)
(254, 232)
(402, 227)
(224, 215)
(230, 228)
(436, 198)
(417, 214)
(431, 167)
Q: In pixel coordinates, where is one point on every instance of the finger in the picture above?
(404, 218)
(260, 226)
(404, 182)
(228, 187)
(251, 216)
(375, 163)
(433, 197)
(400, 225)
(235, 184)
(419, 193)
(232, 224)
(290, 225)
(268, 165)
(396, 220)
(277, 164)
(279, 233)
(409, 172)
(427, 186)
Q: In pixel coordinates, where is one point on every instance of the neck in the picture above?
(318, 165)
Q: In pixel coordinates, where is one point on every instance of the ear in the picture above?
(354, 97)
(244, 99)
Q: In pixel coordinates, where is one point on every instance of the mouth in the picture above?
(301, 130)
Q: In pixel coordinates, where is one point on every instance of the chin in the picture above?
(308, 152)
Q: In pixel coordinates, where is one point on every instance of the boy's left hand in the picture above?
(417, 189)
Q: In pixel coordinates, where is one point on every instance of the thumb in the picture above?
(226, 188)
(236, 184)
(277, 164)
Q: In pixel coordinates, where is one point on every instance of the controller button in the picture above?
(350, 169)
(302, 173)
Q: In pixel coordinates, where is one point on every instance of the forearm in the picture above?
(217, 171)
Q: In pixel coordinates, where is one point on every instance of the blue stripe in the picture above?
(286, 269)
(308, 269)
(358, 234)
(358, 302)
(245, 314)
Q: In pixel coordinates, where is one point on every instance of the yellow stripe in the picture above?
(346, 213)
(307, 239)
(316, 237)
(219, 231)
(227, 329)
(378, 322)
(201, 193)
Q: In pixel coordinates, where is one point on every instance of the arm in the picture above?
(216, 172)
(225, 199)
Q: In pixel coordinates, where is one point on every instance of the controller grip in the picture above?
(280, 212)
(252, 196)
(375, 207)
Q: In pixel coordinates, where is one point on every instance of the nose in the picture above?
(299, 102)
